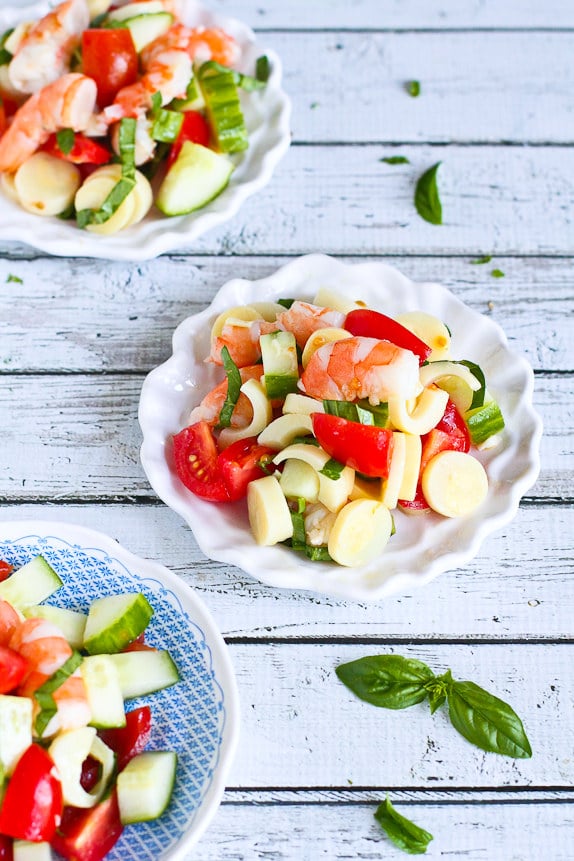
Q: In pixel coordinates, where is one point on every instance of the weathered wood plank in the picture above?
(303, 832)
(78, 315)
(342, 200)
(330, 738)
(475, 87)
(407, 14)
(519, 585)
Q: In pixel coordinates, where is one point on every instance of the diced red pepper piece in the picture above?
(32, 806)
(365, 323)
(131, 739)
(88, 835)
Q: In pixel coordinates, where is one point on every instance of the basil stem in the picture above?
(387, 681)
(44, 694)
(233, 388)
(405, 834)
(427, 200)
(486, 721)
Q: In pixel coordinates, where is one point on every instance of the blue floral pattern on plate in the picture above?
(189, 717)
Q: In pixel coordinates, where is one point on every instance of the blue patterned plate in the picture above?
(198, 717)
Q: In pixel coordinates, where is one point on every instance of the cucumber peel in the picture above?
(115, 621)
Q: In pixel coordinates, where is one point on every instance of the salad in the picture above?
(107, 110)
(74, 764)
(329, 416)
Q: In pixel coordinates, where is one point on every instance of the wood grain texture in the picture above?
(519, 586)
(123, 317)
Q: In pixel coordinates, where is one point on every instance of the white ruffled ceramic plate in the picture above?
(267, 116)
(423, 545)
(198, 717)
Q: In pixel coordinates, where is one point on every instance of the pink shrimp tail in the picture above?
(44, 53)
(67, 103)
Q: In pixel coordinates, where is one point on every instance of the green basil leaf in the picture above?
(387, 681)
(262, 68)
(65, 139)
(476, 371)
(486, 258)
(414, 88)
(233, 389)
(332, 469)
(405, 834)
(497, 273)
(127, 144)
(5, 55)
(15, 279)
(285, 302)
(487, 721)
(395, 159)
(427, 200)
(44, 695)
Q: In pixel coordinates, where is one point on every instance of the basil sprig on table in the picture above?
(395, 682)
(405, 834)
(427, 199)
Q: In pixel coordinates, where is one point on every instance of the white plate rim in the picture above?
(155, 413)
(156, 234)
(140, 568)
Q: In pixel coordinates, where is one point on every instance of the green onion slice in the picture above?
(484, 422)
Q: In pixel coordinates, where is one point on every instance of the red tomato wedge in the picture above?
(85, 150)
(32, 806)
(373, 324)
(13, 668)
(194, 128)
(195, 453)
(110, 58)
(5, 569)
(217, 477)
(89, 834)
(365, 448)
(131, 739)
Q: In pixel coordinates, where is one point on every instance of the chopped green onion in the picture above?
(233, 388)
(219, 88)
(65, 139)
(166, 125)
(332, 469)
(127, 141)
(484, 422)
(44, 694)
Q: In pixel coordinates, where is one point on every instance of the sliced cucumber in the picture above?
(24, 850)
(70, 622)
(33, 582)
(280, 363)
(145, 786)
(115, 621)
(142, 673)
(132, 10)
(15, 729)
(219, 88)
(103, 691)
(193, 99)
(146, 28)
(197, 176)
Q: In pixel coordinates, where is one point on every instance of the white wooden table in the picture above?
(78, 336)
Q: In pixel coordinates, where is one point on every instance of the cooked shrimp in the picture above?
(210, 407)
(44, 53)
(167, 73)
(303, 318)
(46, 650)
(9, 622)
(361, 368)
(199, 43)
(242, 340)
(66, 103)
